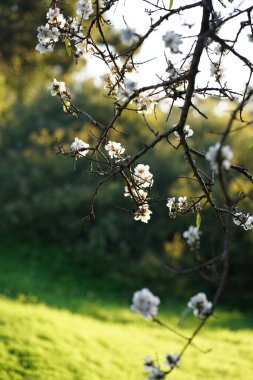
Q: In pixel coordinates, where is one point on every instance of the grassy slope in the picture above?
(55, 328)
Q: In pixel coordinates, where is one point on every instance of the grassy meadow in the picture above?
(57, 323)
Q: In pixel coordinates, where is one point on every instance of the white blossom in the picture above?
(192, 236)
(130, 67)
(188, 132)
(57, 88)
(55, 17)
(84, 8)
(142, 175)
(83, 47)
(48, 35)
(172, 360)
(114, 149)
(74, 25)
(129, 36)
(170, 203)
(138, 194)
(109, 80)
(45, 34)
(101, 3)
(148, 363)
(246, 221)
(55, 34)
(145, 103)
(44, 48)
(212, 156)
(143, 213)
(200, 305)
(79, 144)
(176, 207)
(145, 303)
(172, 40)
(248, 225)
(182, 203)
(157, 374)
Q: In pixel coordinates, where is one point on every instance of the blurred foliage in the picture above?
(24, 67)
(46, 197)
(18, 38)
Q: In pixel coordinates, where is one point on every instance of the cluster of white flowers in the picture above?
(172, 40)
(188, 132)
(129, 36)
(143, 213)
(67, 30)
(192, 236)
(84, 8)
(125, 88)
(109, 80)
(49, 34)
(82, 47)
(114, 149)
(138, 194)
(145, 303)
(155, 372)
(246, 221)
(142, 176)
(146, 103)
(177, 207)
(58, 88)
(213, 156)
(142, 179)
(200, 305)
(55, 17)
(80, 147)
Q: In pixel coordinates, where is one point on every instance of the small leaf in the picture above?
(198, 220)
(66, 105)
(68, 47)
(171, 4)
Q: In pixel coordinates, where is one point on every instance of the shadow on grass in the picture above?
(31, 273)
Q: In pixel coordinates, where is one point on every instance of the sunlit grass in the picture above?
(54, 324)
(39, 342)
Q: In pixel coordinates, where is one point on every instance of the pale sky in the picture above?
(135, 17)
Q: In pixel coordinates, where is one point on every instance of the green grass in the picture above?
(54, 324)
